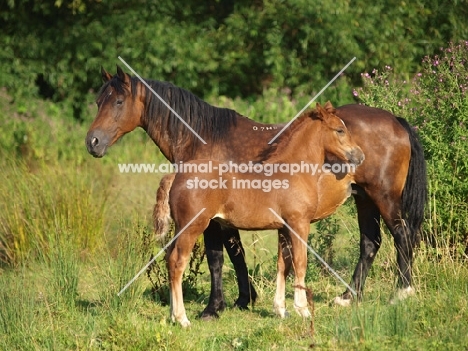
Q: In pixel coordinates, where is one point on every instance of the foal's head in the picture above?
(119, 112)
(337, 140)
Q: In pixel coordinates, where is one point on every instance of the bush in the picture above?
(435, 101)
(54, 49)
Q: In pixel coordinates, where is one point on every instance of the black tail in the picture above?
(415, 192)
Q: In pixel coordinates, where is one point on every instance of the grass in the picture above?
(36, 315)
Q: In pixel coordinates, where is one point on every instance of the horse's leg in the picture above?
(370, 240)
(235, 250)
(177, 258)
(404, 242)
(299, 258)
(370, 208)
(284, 266)
(213, 238)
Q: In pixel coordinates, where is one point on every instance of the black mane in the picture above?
(210, 122)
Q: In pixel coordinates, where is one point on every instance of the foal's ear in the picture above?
(106, 76)
(124, 77)
(329, 107)
(321, 112)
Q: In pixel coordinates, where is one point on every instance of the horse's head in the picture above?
(337, 140)
(119, 112)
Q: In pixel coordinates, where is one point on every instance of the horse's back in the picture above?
(364, 118)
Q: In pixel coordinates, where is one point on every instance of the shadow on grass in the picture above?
(89, 306)
(162, 296)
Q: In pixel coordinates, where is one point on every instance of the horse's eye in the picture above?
(340, 131)
(119, 102)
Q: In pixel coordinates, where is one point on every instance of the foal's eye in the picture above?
(119, 102)
(340, 131)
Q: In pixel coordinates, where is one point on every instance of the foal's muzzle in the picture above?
(356, 156)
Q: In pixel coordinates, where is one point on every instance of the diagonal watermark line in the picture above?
(315, 253)
(162, 100)
(160, 252)
(311, 101)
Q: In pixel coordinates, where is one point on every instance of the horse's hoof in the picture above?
(340, 301)
(241, 307)
(402, 294)
(243, 302)
(209, 315)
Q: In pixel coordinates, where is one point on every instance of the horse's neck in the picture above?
(163, 142)
(303, 144)
(244, 142)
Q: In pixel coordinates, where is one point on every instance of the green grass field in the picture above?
(75, 229)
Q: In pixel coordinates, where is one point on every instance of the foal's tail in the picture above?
(162, 211)
(415, 192)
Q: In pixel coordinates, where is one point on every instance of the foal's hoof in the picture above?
(185, 323)
(281, 312)
(303, 312)
(340, 301)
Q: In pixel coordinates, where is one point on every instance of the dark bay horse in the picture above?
(301, 199)
(390, 184)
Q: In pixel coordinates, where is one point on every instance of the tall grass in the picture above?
(45, 207)
(17, 310)
(121, 261)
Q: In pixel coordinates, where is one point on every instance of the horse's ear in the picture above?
(329, 107)
(123, 76)
(105, 75)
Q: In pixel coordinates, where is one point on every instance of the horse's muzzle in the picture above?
(97, 143)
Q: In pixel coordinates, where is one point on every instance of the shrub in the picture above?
(435, 101)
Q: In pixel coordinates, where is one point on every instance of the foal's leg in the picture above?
(177, 259)
(299, 250)
(284, 266)
(370, 240)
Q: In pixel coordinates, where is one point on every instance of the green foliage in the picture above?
(55, 49)
(322, 240)
(436, 102)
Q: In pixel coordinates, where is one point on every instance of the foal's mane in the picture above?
(275, 151)
(210, 122)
